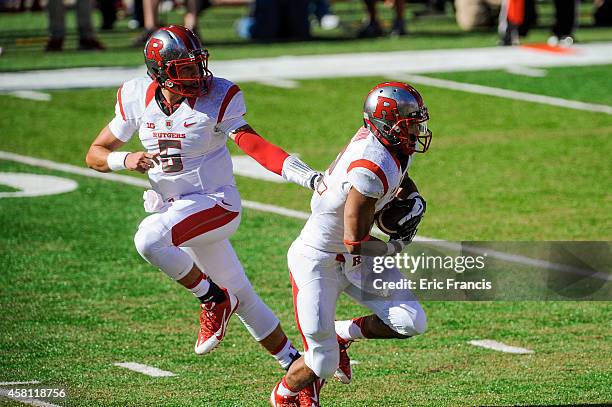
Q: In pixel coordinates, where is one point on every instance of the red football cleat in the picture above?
(276, 400)
(213, 322)
(344, 373)
(309, 396)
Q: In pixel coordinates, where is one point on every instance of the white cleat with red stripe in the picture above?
(213, 323)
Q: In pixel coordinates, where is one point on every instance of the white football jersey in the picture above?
(366, 165)
(191, 141)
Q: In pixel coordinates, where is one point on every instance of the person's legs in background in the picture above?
(150, 11)
(372, 27)
(399, 24)
(87, 37)
(566, 20)
(57, 25)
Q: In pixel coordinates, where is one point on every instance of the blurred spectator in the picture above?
(566, 21)
(373, 28)
(108, 8)
(57, 26)
(432, 8)
(603, 12)
(516, 17)
(276, 19)
(324, 15)
(150, 10)
(476, 14)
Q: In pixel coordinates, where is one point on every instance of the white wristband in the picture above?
(116, 160)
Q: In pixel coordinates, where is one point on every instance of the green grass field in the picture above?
(76, 297)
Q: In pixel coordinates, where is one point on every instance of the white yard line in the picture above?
(30, 401)
(292, 213)
(145, 369)
(14, 383)
(31, 95)
(500, 347)
(504, 93)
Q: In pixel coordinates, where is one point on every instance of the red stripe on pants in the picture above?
(200, 223)
(295, 290)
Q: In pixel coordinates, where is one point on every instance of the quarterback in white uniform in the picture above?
(184, 117)
(328, 257)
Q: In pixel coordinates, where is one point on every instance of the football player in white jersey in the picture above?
(184, 116)
(329, 256)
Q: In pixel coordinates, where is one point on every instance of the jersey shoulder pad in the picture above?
(373, 170)
(224, 100)
(134, 95)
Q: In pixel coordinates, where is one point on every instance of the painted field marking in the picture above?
(31, 95)
(500, 347)
(29, 185)
(505, 93)
(145, 369)
(14, 383)
(292, 213)
(26, 400)
(278, 83)
(526, 71)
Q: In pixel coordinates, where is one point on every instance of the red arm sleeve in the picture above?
(267, 154)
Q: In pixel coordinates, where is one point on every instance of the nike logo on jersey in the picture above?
(189, 124)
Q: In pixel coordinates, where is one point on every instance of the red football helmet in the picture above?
(395, 113)
(175, 59)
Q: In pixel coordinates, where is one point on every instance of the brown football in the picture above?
(386, 219)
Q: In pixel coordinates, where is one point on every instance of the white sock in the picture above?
(200, 288)
(283, 389)
(348, 330)
(286, 353)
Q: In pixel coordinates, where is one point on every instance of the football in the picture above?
(387, 218)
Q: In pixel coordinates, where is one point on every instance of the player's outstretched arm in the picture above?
(274, 158)
(102, 155)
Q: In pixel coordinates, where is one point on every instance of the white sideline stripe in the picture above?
(145, 369)
(13, 383)
(292, 213)
(327, 66)
(30, 401)
(526, 71)
(505, 93)
(31, 95)
(499, 346)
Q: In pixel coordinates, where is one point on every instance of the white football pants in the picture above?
(318, 278)
(196, 228)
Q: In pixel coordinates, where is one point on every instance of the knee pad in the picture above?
(157, 249)
(323, 358)
(256, 316)
(407, 320)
